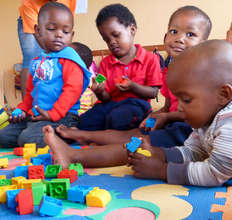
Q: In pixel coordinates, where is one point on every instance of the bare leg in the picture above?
(23, 80)
(99, 137)
(99, 156)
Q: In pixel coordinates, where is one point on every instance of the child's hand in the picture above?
(17, 116)
(126, 85)
(97, 88)
(44, 116)
(148, 167)
(161, 120)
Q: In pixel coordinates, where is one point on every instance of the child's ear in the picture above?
(225, 94)
(37, 31)
(133, 29)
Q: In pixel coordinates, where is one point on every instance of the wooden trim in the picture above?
(149, 48)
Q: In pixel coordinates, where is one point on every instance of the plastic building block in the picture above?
(25, 202)
(120, 80)
(21, 171)
(3, 177)
(36, 172)
(10, 196)
(134, 144)
(50, 206)
(32, 146)
(44, 150)
(3, 118)
(46, 159)
(38, 190)
(98, 197)
(70, 174)
(18, 181)
(58, 188)
(3, 190)
(3, 162)
(144, 152)
(78, 193)
(52, 171)
(36, 161)
(5, 182)
(100, 78)
(78, 167)
(150, 122)
(27, 184)
(18, 151)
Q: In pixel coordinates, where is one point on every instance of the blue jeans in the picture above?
(17, 134)
(29, 45)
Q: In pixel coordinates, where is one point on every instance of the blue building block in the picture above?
(134, 144)
(78, 193)
(46, 159)
(21, 171)
(36, 161)
(10, 195)
(50, 206)
(150, 122)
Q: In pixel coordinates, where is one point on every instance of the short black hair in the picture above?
(198, 11)
(119, 11)
(84, 52)
(46, 7)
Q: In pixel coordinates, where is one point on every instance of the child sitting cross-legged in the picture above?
(56, 81)
(133, 75)
(205, 158)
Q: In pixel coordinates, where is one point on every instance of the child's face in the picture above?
(55, 30)
(197, 99)
(118, 37)
(186, 30)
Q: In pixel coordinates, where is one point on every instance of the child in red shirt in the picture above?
(123, 105)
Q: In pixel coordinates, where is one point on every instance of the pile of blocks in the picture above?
(29, 188)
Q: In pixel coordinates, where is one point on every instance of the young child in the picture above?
(205, 159)
(56, 81)
(88, 98)
(187, 27)
(123, 105)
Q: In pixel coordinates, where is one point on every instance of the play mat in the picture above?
(137, 199)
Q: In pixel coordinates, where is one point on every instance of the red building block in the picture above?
(36, 172)
(25, 202)
(69, 174)
(18, 151)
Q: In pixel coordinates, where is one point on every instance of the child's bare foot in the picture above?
(62, 152)
(72, 133)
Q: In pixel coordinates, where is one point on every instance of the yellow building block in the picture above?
(3, 177)
(98, 197)
(146, 153)
(18, 181)
(44, 150)
(3, 190)
(3, 118)
(31, 146)
(27, 184)
(3, 162)
(29, 152)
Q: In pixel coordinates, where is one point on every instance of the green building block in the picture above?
(100, 78)
(38, 191)
(5, 182)
(58, 188)
(77, 167)
(52, 171)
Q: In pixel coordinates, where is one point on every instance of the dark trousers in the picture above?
(123, 115)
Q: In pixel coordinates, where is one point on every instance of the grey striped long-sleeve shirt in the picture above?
(206, 157)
